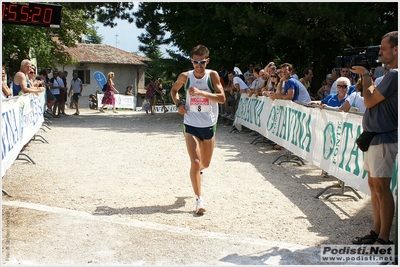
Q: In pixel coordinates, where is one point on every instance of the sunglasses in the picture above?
(274, 76)
(342, 86)
(201, 62)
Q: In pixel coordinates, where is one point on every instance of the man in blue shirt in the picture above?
(291, 88)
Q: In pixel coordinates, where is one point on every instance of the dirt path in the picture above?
(113, 189)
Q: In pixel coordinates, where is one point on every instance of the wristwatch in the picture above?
(367, 74)
(178, 104)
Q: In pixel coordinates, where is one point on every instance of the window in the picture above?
(84, 75)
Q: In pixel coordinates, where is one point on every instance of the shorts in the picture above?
(150, 96)
(57, 97)
(76, 97)
(379, 160)
(202, 133)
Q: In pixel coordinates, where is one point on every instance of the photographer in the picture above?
(381, 118)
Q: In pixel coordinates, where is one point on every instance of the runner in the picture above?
(203, 93)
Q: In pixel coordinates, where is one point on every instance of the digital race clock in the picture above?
(32, 14)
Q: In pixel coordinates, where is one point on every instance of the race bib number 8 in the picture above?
(199, 104)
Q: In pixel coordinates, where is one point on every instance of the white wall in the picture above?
(124, 75)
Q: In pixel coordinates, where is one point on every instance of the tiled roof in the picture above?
(101, 53)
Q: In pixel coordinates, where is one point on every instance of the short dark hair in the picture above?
(306, 70)
(284, 65)
(392, 38)
(256, 69)
(43, 72)
(200, 50)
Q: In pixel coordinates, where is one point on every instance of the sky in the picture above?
(124, 36)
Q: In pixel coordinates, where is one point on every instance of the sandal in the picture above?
(367, 239)
(383, 242)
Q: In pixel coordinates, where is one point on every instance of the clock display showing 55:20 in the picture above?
(33, 13)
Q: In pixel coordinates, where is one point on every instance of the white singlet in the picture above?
(201, 111)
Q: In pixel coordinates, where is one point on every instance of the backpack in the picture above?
(104, 87)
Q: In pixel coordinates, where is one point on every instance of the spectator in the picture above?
(257, 83)
(345, 72)
(128, 90)
(32, 77)
(306, 80)
(355, 101)
(6, 92)
(294, 73)
(325, 90)
(76, 91)
(151, 88)
(50, 99)
(21, 83)
(291, 89)
(381, 118)
(249, 80)
(335, 75)
(56, 84)
(49, 75)
(230, 101)
(239, 88)
(63, 92)
(223, 73)
(108, 98)
(276, 84)
(269, 70)
(304, 95)
(335, 100)
(159, 94)
(249, 72)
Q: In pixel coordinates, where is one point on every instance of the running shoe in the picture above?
(200, 205)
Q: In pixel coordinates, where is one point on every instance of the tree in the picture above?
(47, 44)
(304, 34)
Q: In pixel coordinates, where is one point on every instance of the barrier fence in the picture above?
(22, 117)
(323, 137)
(130, 102)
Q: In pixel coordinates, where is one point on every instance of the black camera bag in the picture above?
(364, 140)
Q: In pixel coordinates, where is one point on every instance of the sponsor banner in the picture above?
(159, 109)
(357, 253)
(21, 118)
(121, 101)
(323, 137)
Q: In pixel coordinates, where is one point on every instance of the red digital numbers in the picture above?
(24, 13)
(12, 11)
(48, 15)
(36, 14)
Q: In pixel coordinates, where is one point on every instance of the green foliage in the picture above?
(304, 34)
(46, 44)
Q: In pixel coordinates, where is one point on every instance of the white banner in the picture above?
(121, 101)
(21, 118)
(323, 137)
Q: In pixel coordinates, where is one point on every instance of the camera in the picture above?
(367, 57)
